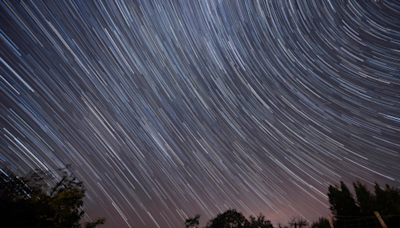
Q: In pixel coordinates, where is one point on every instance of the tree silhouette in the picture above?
(192, 222)
(231, 219)
(321, 223)
(259, 222)
(365, 200)
(385, 201)
(342, 201)
(32, 201)
(298, 222)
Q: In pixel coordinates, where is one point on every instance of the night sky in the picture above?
(171, 108)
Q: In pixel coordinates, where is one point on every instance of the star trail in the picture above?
(171, 108)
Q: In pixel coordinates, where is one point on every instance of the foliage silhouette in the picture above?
(298, 222)
(345, 207)
(32, 201)
(231, 219)
(321, 223)
(192, 222)
(342, 201)
(259, 222)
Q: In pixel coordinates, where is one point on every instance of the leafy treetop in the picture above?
(31, 201)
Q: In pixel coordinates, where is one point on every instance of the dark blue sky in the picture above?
(169, 109)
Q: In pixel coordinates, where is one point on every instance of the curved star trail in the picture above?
(172, 108)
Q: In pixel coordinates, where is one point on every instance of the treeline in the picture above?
(231, 218)
(348, 211)
(39, 200)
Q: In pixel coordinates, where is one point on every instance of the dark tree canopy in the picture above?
(321, 223)
(231, 219)
(344, 206)
(342, 201)
(32, 201)
(192, 222)
(364, 199)
(228, 219)
(259, 222)
(298, 222)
